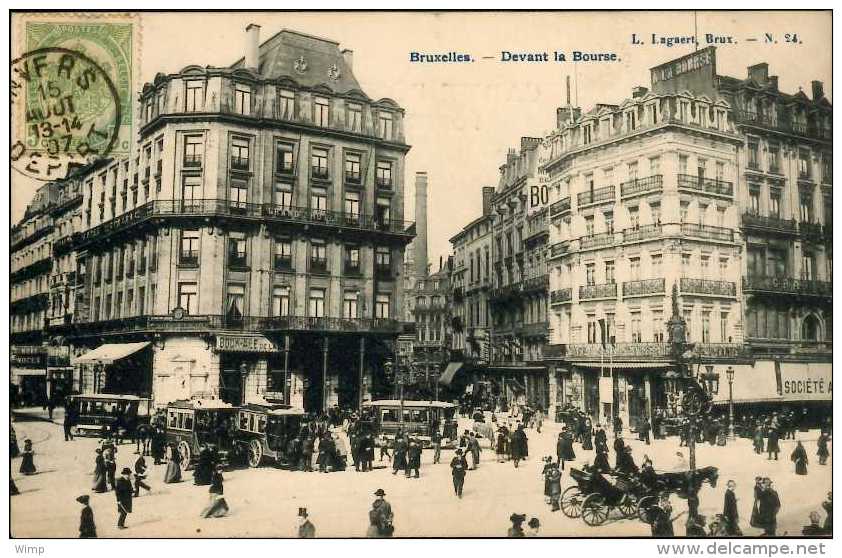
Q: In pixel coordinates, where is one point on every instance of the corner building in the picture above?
(253, 246)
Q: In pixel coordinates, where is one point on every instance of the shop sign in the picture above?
(245, 344)
(807, 383)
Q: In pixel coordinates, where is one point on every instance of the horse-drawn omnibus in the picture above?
(196, 422)
(419, 420)
(263, 431)
(93, 411)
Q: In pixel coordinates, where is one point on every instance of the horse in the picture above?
(485, 430)
(143, 438)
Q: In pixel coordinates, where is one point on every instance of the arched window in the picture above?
(810, 329)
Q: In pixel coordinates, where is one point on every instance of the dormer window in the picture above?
(587, 134)
(321, 111)
(385, 125)
(631, 120)
(194, 97)
(355, 117)
(286, 104)
(242, 99)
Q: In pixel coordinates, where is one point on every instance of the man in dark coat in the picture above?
(413, 459)
(306, 530)
(643, 430)
(399, 461)
(618, 426)
(307, 453)
(772, 446)
(204, 466)
(768, 506)
(87, 527)
(600, 438)
(564, 448)
(123, 491)
(139, 476)
(619, 448)
(730, 512)
(68, 423)
(625, 462)
(519, 445)
(435, 439)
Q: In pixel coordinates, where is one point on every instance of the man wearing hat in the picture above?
(383, 514)
(516, 530)
(87, 527)
(306, 530)
(458, 467)
(123, 490)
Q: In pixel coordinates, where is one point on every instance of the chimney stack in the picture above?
(759, 73)
(348, 55)
(421, 255)
(252, 46)
(818, 90)
(639, 92)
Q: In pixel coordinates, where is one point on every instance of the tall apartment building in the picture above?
(29, 286)
(518, 298)
(433, 327)
(252, 247)
(650, 195)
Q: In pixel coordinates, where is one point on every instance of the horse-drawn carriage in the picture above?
(264, 431)
(94, 412)
(594, 496)
(197, 422)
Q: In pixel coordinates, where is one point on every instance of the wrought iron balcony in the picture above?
(707, 231)
(654, 183)
(192, 161)
(721, 350)
(599, 195)
(787, 285)
(559, 249)
(642, 232)
(643, 287)
(810, 231)
(782, 123)
(596, 241)
(254, 211)
(561, 296)
(708, 287)
(709, 185)
(606, 290)
(559, 207)
(538, 283)
(617, 350)
(768, 224)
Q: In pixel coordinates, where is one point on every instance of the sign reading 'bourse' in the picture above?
(245, 344)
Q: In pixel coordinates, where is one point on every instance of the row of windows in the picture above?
(713, 325)
(283, 107)
(772, 261)
(281, 301)
(806, 204)
(282, 253)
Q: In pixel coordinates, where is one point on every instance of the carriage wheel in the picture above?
(571, 502)
(255, 453)
(184, 451)
(628, 506)
(594, 510)
(644, 506)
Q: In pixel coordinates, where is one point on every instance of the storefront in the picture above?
(243, 366)
(116, 368)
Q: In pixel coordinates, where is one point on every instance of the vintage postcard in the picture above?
(421, 275)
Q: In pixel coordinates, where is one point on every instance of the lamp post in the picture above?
(730, 373)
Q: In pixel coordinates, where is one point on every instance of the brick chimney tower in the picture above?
(420, 241)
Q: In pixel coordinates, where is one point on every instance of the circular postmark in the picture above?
(65, 111)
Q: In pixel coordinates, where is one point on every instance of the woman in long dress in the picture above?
(27, 464)
(100, 484)
(822, 449)
(799, 457)
(217, 507)
(173, 472)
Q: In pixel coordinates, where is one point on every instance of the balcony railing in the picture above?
(707, 231)
(596, 241)
(318, 265)
(768, 223)
(604, 194)
(617, 350)
(810, 231)
(189, 258)
(207, 322)
(606, 290)
(221, 207)
(710, 185)
(708, 287)
(320, 173)
(561, 296)
(781, 124)
(787, 285)
(654, 183)
(559, 207)
(559, 249)
(192, 161)
(539, 283)
(642, 232)
(643, 287)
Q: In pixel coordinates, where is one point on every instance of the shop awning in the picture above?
(107, 354)
(752, 384)
(450, 372)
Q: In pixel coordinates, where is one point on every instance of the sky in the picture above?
(462, 118)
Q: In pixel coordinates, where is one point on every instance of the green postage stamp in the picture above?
(72, 90)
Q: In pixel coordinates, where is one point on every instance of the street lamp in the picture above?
(730, 373)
